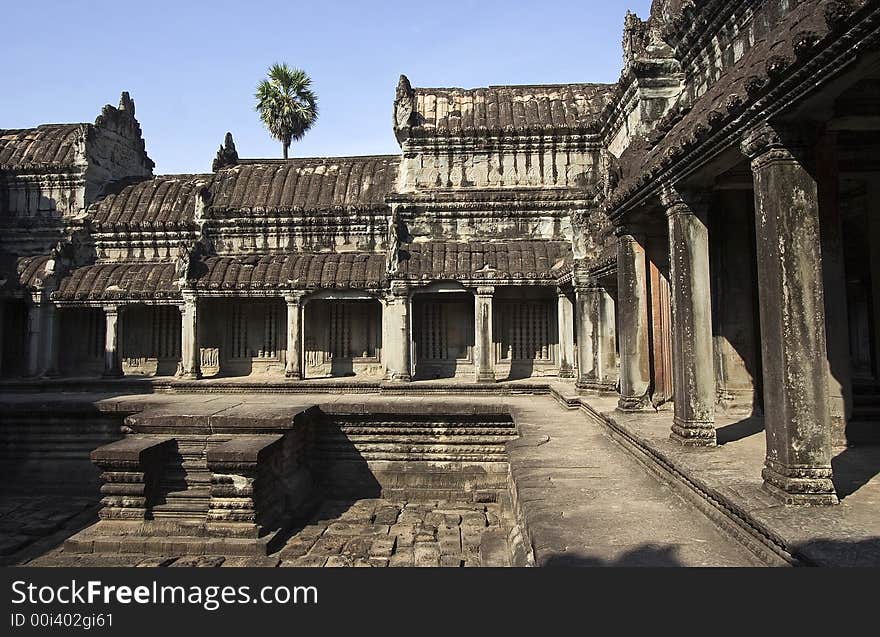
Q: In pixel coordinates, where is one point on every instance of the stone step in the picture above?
(423, 431)
(334, 442)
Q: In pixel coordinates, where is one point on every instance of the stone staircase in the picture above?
(185, 489)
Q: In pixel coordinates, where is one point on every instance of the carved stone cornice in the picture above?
(294, 297)
(679, 201)
(627, 232)
(771, 142)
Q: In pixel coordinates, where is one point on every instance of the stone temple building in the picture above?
(699, 237)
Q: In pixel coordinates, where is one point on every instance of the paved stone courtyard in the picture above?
(363, 533)
(584, 499)
(31, 525)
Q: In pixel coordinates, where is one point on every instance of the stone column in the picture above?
(597, 354)
(872, 213)
(50, 340)
(586, 300)
(605, 344)
(834, 276)
(632, 302)
(112, 355)
(483, 363)
(191, 359)
(293, 367)
(396, 335)
(693, 365)
(35, 327)
(565, 319)
(792, 308)
(2, 332)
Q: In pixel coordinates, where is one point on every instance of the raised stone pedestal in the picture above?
(246, 498)
(132, 471)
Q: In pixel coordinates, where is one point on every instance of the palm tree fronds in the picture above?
(286, 103)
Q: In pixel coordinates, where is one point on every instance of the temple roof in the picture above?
(294, 271)
(21, 274)
(139, 280)
(118, 281)
(306, 184)
(157, 202)
(690, 124)
(500, 261)
(485, 259)
(523, 108)
(46, 146)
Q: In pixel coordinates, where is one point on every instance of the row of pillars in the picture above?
(792, 314)
(396, 324)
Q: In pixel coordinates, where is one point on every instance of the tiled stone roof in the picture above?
(18, 274)
(293, 271)
(117, 281)
(44, 147)
(166, 200)
(305, 184)
(483, 259)
(521, 109)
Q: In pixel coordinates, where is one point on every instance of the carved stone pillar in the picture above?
(112, 342)
(692, 357)
(605, 343)
(565, 318)
(293, 367)
(632, 304)
(191, 360)
(483, 363)
(597, 354)
(396, 335)
(586, 301)
(2, 332)
(792, 308)
(51, 329)
(35, 328)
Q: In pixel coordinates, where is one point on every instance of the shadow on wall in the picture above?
(341, 367)
(650, 555)
(520, 370)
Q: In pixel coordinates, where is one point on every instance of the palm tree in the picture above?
(286, 103)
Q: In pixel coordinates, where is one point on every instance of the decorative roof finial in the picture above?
(126, 103)
(227, 155)
(404, 107)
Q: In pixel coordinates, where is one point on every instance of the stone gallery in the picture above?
(694, 240)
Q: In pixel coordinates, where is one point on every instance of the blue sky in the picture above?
(192, 67)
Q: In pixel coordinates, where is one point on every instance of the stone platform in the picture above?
(725, 483)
